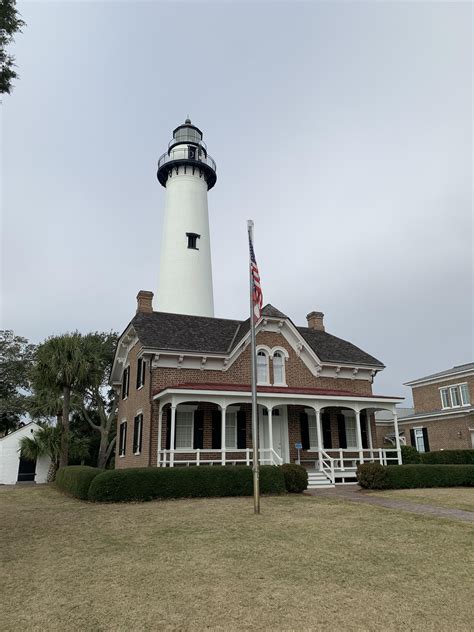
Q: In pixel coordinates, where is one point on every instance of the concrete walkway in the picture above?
(354, 493)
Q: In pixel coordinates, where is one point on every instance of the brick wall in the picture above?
(445, 434)
(427, 399)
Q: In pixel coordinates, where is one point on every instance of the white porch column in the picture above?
(369, 433)
(223, 417)
(173, 434)
(319, 433)
(397, 437)
(359, 436)
(160, 427)
(270, 433)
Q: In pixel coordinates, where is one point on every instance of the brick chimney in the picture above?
(316, 320)
(144, 302)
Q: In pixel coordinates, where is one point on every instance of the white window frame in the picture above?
(140, 434)
(350, 416)
(127, 389)
(267, 353)
(458, 390)
(181, 411)
(231, 416)
(284, 357)
(418, 432)
(312, 431)
(142, 372)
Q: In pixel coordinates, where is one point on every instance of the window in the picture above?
(455, 395)
(122, 438)
(419, 439)
(351, 433)
(313, 433)
(262, 368)
(184, 429)
(137, 434)
(192, 240)
(141, 365)
(231, 430)
(278, 368)
(191, 152)
(125, 382)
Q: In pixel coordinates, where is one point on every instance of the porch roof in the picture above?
(286, 390)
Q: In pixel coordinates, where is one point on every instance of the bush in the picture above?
(376, 476)
(410, 454)
(372, 475)
(451, 457)
(76, 479)
(183, 482)
(296, 477)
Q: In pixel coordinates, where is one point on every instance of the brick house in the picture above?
(443, 415)
(184, 394)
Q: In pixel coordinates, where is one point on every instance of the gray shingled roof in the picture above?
(456, 369)
(199, 334)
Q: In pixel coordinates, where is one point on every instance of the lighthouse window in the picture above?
(191, 152)
(192, 240)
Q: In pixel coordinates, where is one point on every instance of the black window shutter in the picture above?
(136, 431)
(140, 436)
(304, 428)
(327, 434)
(241, 430)
(198, 440)
(139, 372)
(341, 428)
(412, 438)
(121, 442)
(128, 380)
(363, 430)
(168, 429)
(124, 384)
(425, 440)
(216, 429)
(125, 437)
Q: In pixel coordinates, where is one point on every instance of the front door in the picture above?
(278, 436)
(26, 470)
(279, 432)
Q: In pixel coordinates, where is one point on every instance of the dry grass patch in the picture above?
(305, 563)
(449, 497)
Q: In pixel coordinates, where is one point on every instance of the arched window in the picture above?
(278, 368)
(262, 368)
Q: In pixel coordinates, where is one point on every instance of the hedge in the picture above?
(296, 477)
(451, 457)
(138, 484)
(76, 479)
(376, 476)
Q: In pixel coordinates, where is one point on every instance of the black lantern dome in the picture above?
(187, 148)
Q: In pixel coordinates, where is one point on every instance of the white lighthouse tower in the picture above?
(187, 172)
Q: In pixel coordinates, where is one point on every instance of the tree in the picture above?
(10, 23)
(47, 442)
(64, 365)
(16, 357)
(100, 403)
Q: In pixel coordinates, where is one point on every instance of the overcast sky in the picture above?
(343, 129)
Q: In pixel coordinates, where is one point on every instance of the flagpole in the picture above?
(255, 468)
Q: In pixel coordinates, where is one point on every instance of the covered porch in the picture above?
(329, 433)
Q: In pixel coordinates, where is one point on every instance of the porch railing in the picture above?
(345, 460)
(171, 458)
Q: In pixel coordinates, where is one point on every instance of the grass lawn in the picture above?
(451, 497)
(305, 563)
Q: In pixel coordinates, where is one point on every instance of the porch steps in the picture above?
(318, 480)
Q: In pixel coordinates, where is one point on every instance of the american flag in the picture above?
(257, 295)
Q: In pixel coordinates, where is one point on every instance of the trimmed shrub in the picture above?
(410, 454)
(296, 477)
(140, 484)
(410, 476)
(372, 475)
(76, 479)
(449, 457)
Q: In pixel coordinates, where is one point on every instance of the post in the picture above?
(270, 434)
(369, 434)
(160, 427)
(173, 434)
(397, 437)
(319, 434)
(256, 473)
(359, 437)
(223, 414)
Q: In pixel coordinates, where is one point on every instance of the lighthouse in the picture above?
(187, 172)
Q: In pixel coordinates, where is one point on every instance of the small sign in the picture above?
(299, 446)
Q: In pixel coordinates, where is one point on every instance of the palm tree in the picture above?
(47, 442)
(64, 365)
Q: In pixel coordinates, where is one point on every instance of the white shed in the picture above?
(15, 469)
